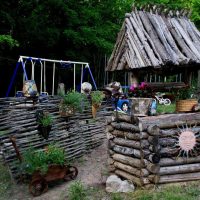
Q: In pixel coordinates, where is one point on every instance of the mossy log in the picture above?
(127, 151)
(179, 178)
(125, 127)
(135, 171)
(129, 160)
(180, 169)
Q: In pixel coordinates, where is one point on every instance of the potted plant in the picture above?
(96, 98)
(45, 121)
(140, 99)
(71, 102)
(185, 100)
(44, 165)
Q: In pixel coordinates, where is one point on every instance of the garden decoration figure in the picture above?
(86, 88)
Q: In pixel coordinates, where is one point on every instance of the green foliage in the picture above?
(186, 93)
(161, 109)
(77, 191)
(97, 97)
(5, 180)
(75, 99)
(45, 120)
(40, 160)
(8, 41)
(116, 196)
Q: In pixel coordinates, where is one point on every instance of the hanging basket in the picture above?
(185, 105)
(95, 107)
(66, 110)
(140, 106)
(30, 88)
(44, 131)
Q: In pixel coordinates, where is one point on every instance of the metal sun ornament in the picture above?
(188, 141)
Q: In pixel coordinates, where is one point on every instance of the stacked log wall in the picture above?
(78, 135)
(144, 150)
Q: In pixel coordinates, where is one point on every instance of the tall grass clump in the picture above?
(77, 191)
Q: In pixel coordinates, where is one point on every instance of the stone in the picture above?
(126, 187)
(115, 184)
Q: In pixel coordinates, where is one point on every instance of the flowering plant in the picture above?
(142, 90)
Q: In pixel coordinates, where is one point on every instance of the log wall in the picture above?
(77, 136)
(145, 150)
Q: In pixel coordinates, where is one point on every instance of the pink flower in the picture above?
(143, 85)
(132, 88)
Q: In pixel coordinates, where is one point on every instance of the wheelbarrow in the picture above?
(39, 182)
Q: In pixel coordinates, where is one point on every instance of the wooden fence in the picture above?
(77, 136)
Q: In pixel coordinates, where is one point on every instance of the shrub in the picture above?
(40, 160)
(97, 97)
(77, 191)
(75, 99)
(45, 120)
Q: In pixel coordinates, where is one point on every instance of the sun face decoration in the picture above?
(188, 141)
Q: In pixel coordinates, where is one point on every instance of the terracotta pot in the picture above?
(140, 106)
(95, 107)
(185, 105)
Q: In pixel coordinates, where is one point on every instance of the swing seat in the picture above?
(19, 94)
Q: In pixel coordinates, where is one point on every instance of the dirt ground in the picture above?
(92, 173)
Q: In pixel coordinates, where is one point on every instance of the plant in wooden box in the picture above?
(45, 121)
(44, 166)
(71, 102)
(140, 99)
(96, 98)
(185, 100)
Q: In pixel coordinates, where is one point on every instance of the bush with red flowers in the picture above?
(142, 90)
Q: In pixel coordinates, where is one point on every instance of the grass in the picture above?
(5, 181)
(190, 191)
(161, 109)
(77, 191)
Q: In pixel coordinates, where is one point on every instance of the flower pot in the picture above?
(44, 131)
(30, 88)
(95, 107)
(66, 110)
(185, 105)
(140, 106)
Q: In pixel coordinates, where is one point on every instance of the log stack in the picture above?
(77, 135)
(146, 151)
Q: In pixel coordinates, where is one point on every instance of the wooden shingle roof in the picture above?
(151, 39)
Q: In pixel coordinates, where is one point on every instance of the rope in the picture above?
(44, 76)
(41, 76)
(74, 77)
(24, 69)
(87, 66)
(54, 67)
(33, 70)
(81, 74)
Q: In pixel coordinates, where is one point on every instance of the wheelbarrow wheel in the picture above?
(37, 187)
(71, 173)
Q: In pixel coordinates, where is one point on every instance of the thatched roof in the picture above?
(149, 39)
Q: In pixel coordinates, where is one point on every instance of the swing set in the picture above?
(22, 61)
